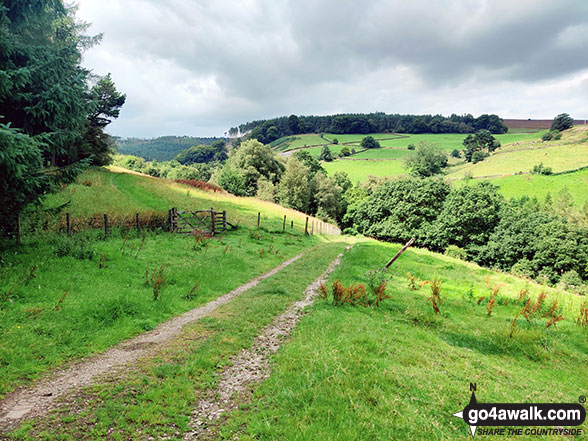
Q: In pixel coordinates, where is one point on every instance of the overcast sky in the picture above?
(199, 67)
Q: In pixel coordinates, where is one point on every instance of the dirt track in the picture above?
(42, 397)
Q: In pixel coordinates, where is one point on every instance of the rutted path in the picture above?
(38, 400)
(251, 365)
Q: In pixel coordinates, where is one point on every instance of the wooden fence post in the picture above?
(312, 230)
(137, 222)
(68, 224)
(213, 221)
(105, 225)
(225, 220)
(258, 219)
(291, 224)
(306, 227)
(169, 220)
(284, 225)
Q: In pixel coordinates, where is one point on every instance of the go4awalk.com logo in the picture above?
(506, 418)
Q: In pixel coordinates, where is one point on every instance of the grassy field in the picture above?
(49, 319)
(539, 185)
(359, 171)
(157, 397)
(121, 194)
(570, 153)
(383, 153)
(400, 371)
(297, 141)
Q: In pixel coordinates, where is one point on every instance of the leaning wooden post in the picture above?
(105, 225)
(284, 225)
(68, 225)
(306, 227)
(258, 219)
(409, 243)
(291, 224)
(137, 224)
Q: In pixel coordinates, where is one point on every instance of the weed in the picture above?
(492, 301)
(157, 281)
(31, 274)
(353, 295)
(583, 316)
(226, 250)
(190, 295)
(261, 252)
(380, 293)
(481, 299)
(140, 246)
(323, 292)
(413, 282)
(58, 306)
(123, 245)
(436, 301)
(76, 246)
(523, 295)
(102, 260)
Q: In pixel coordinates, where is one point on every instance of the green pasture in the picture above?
(359, 171)
(538, 186)
(400, 371)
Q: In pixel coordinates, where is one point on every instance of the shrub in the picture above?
(77, 246)
(540, 169)
(369, 143)
(206, 186)
(548, 136)
(571, 280)
(457, 252)
(345, 151)
(479, 156)
(410, 147)
(455, 153)
(335, 141)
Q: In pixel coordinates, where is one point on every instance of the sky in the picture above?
(199, 67)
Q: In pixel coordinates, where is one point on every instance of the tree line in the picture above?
(267, 131)
(162, 148)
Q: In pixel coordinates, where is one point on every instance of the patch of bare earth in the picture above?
(38, 400)
(251, 365)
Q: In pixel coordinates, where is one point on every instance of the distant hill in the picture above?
(164, 148)
(533, 124)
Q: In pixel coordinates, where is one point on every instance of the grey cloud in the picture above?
(225, 62)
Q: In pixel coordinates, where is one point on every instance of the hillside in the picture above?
(163, 148)
(509, 167)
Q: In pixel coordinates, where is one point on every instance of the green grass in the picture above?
(400, 371)
(509, 161)
(121, 195)
(106, 305)
(158, 396)
(383, 153)
(297, 141)
(359, 171)
(539, 185)
(356, 138)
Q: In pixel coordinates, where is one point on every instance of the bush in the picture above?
(410, 147)
(523, 268)
(540, 169)
(427, 160)
(547, 136)
(335, 141)
(479, 156)
(571, 280)
(369, 143)
(457, 252)
(345, 151)
(78, 246)
(455, 153)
